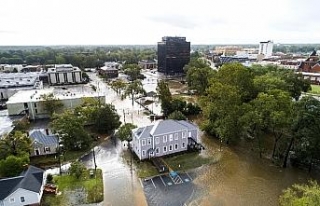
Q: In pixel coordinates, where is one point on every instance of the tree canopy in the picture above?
(301, 194)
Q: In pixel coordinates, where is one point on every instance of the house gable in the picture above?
(22, 197)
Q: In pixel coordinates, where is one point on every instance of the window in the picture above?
(36, 111)
(157, 140)
(165, 138)
(47, 149)
(35, 104)
(165, 149)
(22, 199)
(176, 146)
(143, 152)
(170, 137)
(143, 142)
(11, 199)
(183, 145)
(149, 141)
(157, 150)
(176, 136)
(189, 134)
(184, 135)
(170, 147)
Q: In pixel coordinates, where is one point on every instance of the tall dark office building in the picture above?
(173, 54)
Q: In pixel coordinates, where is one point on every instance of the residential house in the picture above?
(25, 189)
(163, 138)
(43, 143)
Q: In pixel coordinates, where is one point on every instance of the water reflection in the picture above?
(242, 178)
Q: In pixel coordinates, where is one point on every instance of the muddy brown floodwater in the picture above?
(241, 178)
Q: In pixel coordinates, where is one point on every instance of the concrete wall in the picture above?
(62, 80)
(36, 108)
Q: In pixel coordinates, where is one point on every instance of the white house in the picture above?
(64, 74)
(163, 138)
(26, 189)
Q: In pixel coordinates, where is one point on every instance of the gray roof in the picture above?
(44, 139)
(143, 132)
(167, 126)
(31, 179)
(164, 127)
(189, 125)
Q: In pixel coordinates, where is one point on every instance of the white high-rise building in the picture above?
(266, 48)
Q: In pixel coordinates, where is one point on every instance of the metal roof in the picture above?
(44, 139)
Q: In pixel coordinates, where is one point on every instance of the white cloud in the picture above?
(44, 22)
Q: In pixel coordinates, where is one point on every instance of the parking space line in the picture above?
(189, 176)
(153, 183)
(162, 181)
(141, 182)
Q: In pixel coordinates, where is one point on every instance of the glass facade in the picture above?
(173, 55)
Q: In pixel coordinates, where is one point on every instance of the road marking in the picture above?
(189, 176)
(141, 182)
(153, 183)
(162, 181)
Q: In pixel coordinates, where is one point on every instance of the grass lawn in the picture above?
(186, 161)
(92, 186)
(315, 89)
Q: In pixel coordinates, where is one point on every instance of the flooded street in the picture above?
(238, 178)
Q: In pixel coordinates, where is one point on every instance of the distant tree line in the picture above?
(296, 48)
(82, 57)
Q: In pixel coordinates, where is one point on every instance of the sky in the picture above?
(145, 22)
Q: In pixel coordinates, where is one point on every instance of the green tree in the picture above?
(235, 74)
(21, 125)
(13, 165)
(305, 132)
(133, 89)
(51, 104)
(106, 119)
(77, 169)
(164, 96)
(118, 85)
(198, 78)
(177, 115)
(70, 129)
(14, 144)
(222, 111)
(301, 195)
(124, 132)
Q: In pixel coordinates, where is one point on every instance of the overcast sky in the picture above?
(105, 22)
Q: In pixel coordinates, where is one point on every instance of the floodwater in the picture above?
(238, 178)
(242, 178)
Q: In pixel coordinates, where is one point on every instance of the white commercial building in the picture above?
(31, 102)
(11, 83)
(64, 74)
(266, 48)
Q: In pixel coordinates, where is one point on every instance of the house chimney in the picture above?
(47, 131)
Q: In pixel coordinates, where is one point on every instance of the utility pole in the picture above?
(124, 116)
(94, 161)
